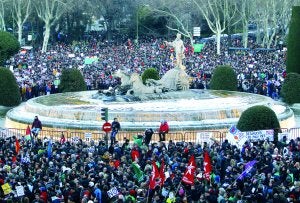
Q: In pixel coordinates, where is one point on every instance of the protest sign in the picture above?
(112, 192)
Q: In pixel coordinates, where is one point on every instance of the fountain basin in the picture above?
(184, 110)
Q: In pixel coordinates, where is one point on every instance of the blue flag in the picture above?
(49, 149)
(248, 168)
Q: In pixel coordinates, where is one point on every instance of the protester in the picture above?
(115, 126)
(163, 130)
(36, 126)
(259, 71)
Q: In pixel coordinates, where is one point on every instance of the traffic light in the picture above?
(104, 114)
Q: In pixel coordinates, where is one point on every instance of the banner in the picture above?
(198, 48)
(255, 136)
(238, 138)
(90, 60)
(202, 137)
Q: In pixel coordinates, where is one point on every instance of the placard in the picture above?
(112, 192)
(20, 190)
(88, 137)
(6, 188)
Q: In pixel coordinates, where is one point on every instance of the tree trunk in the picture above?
(46, 37)
(218, 40)
(20, 32)
(245, 34)
(2, 23)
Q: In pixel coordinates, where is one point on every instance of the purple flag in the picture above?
(248, 168)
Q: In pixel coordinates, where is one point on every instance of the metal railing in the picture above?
(197, 136)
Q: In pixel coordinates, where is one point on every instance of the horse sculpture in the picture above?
(139, 88)
(175, 79)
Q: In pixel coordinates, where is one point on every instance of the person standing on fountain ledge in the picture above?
(36, 126)
(115, 129)
(163, 130)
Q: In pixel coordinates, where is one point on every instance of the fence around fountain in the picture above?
(199, 136)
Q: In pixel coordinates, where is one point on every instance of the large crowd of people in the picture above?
(66, 171)
(259, 71)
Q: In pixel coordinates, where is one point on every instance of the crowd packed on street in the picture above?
(41, 170)
(259, 71)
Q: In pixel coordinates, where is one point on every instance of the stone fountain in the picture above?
(143, 106)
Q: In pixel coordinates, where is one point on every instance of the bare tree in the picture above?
(20, 13)
(217, 14)
(50, 11)
(2, 15)
(180, 14)
(272, 18)
(245, 9)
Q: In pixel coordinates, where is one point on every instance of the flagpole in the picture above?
(148, 194)
(178, 188)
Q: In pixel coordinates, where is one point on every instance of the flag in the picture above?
(17, 146)
(162, 172)
(189, 174)
(28, 133)
(248, 168)
(49, 149)
(138, 140)
(207, 166)
(14, 159)
(139, 175)
(154, 175)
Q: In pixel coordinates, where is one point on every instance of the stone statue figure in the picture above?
(179, 50)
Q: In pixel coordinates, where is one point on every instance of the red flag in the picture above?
(162, 172)
(14, 159)
(17, 146)
(154, 175)
(207, 166)
(189, 174)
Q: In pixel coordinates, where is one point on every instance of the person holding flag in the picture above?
(207, 166)
(189, 174)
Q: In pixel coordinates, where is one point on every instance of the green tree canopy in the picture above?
(9, 46)
(9, 90)
(72, 81)
(293, 52)
(224, 78)
(150, 73)
(291, 88)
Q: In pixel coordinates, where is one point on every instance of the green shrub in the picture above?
(293, 53)
(291, 88)
(72, 81)
(259, 118)
(9, 90)
(150, 73)
(224, 78)
(9, 46)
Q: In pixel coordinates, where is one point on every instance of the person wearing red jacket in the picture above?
(163, 130)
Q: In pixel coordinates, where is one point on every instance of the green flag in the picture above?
(139, 175)
(137, 140)
(198, 48)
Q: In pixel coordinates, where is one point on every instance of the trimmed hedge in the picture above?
(293, 51)
(9, 46)
(9, 90)
(291, 88)
(150, 73)
(259, 118)
(224, 78)
(72, 81)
